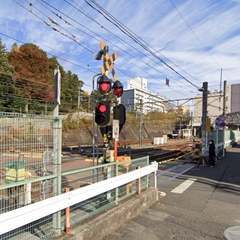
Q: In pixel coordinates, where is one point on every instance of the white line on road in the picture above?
(183, 186)
(189, 166)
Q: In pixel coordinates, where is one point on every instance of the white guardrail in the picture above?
(27, 214)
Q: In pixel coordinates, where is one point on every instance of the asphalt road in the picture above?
(195, 203)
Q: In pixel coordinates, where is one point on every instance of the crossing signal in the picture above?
(102, 113)
(104, 84)
(117, 88)
(119, 113)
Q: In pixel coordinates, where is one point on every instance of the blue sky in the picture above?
(186, 41)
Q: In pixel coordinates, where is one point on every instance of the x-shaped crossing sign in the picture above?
(108, 61)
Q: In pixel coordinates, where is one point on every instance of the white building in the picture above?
(137, 83)
(136, 97)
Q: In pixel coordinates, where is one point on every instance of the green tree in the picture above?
(70, 86)
(72, 89)
(7, 80)
(18, 103)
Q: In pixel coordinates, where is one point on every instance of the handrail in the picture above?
(27, 214)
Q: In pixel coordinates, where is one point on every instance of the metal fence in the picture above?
(40, 220)
(87, 176)
(26, 159)
(224, 138)
(27, 165)
(30, 165)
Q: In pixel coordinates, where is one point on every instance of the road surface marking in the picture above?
(183, 186)
(188, 167)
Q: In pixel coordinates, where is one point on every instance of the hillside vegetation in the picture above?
(27, 86)
(166, 121)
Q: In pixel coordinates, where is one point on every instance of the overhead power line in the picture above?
(68, 23)
(106, 40)
(53, 22)
(124, 42)
(135, 38)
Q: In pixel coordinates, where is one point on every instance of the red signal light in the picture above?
(117, 91)
(104, 84)
(102, 108)
(117, 88)
(104, 87)
(102, 113)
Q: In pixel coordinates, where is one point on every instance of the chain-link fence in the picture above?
(30, 165)
(27, 164)
(47, 226)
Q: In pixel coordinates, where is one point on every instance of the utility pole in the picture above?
(224, 112)
(204, 111)
(224, 96)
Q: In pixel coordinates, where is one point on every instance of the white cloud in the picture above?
(196, 38)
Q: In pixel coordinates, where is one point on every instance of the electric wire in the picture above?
(139, 59)
(139, 42)
(82, 31)
(71, 36)
(51, 55)
(129, 31)
(194, 33)
(46, 16)
(107, 30)
(196, 36)
(34, 41)
(132, 33)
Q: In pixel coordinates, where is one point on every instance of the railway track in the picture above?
(156, 153)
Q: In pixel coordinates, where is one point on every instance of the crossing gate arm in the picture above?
(22, 216)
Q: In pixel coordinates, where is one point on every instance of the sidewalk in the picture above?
(208, 209)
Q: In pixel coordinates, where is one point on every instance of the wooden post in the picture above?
(67, 217)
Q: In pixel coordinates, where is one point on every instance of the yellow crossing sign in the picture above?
(108, 61)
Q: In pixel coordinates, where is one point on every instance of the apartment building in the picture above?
(137, 98)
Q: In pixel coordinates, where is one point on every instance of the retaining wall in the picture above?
(107, 222)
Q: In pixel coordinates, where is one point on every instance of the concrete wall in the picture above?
(103, 224)
(128, 133)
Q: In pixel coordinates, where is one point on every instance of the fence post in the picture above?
(57, 147)
(139, 183)
(116, 191)
(155, 174)
(57, 161)
(67, 217)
